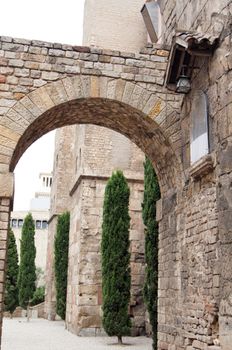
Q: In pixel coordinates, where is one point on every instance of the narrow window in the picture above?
(14, 223)
(199, 139)
(44, 224)
(20, 223)
(38, 224)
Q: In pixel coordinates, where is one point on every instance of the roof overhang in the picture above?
(186, 46)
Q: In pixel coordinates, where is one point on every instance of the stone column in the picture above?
(6, 196)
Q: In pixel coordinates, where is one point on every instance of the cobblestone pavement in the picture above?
(40, 334)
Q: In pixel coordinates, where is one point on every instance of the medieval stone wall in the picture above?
(205, 16)
(99, 152)
(63, 162)
(84, 299)
(195, 281)
(202, 249)
(96, 153)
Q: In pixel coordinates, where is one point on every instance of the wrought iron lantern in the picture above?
(187, 46)
(183, 84)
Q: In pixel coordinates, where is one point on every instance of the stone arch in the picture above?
(120, 105)
(145, 113)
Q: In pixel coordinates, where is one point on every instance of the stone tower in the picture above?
(115, 25)
(85, 157)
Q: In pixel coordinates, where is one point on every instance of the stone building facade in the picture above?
(203, 243)
(97, 149)
(44, 86)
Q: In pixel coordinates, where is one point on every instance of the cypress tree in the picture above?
(61, 262)
(27, 270)
(11, 289)
(151, 195)
(116, 279)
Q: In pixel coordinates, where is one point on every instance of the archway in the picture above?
(81, 99)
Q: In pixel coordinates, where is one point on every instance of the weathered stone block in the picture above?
(16, 63)
(6, 185)
(50, 76)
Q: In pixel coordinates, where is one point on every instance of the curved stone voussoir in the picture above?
(116, 115)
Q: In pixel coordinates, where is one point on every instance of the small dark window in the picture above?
(38, 224)
(20, 222)
(44, 224)
(14, 223)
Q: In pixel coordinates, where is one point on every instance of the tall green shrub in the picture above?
(61, 262)
(38, 296)
(116, 279)
(11, 290)
(151, 195)
(27, 274)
